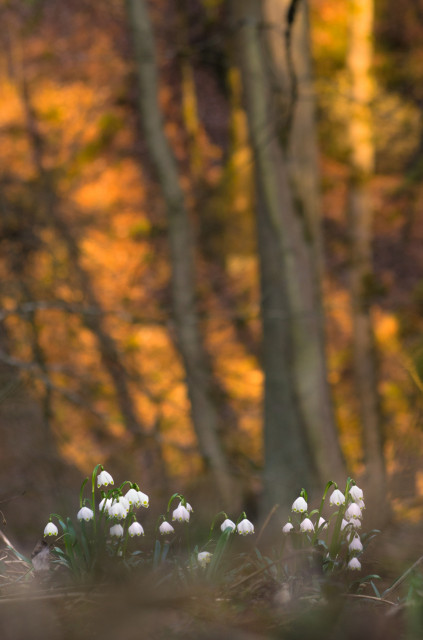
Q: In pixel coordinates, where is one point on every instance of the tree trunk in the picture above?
(290, 228)
(360, 225)
(203, 410)
(288, 41)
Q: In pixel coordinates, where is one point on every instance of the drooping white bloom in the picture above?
(337, 498)
(188, 507)
(227, 523)
(117, 510)
(85, 514)
(354, 564)
(353, 511)
(355, 522)
(356, 493)
(165, 527)
(343, 524)
(125, 503)
(105, 504)
(135, 530)
(245, 527)
(204, 558)
(181, 514)
(133, 498)
(104, 478)
(144, 499)
(322, 523)
(117, 531)
(355, 544)
(361, 504)
(306, 525)
(287, 527)
(299, 505)
(51, 529)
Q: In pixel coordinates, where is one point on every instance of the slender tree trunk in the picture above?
(291, 230)
(203, 410)
(360, 224)
(288, 40)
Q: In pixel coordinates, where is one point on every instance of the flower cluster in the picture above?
(346, 523)
(107, 522)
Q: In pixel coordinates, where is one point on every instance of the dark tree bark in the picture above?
(298, 262)
(188, 336)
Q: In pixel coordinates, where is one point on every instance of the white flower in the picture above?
(117, 510)
(322, 523)
(181, 514)
(165, 527)
(355, 522)
(116, 530)
(135, 530)
(361, 504)
(287, 527)
(245, 527)
(85, 514)
(51, 529)
(104, 478)
(125, 503)
(144, 499)
(188, 507)
(353, 511)
(299, 505)
(355, 544)
(356, 493)
(133, 498)
(105, 504)
(204, 558)
(228, 523)
(306, 525)
(343, 524)
(354, 564)
(337, 498)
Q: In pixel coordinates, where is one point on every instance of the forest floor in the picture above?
(255, 608)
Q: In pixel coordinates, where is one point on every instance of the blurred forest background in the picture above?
(211, 273)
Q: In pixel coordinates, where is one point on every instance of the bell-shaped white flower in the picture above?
(85, 514)
(245, 527)
(104, 479)
(51, 529)
(117, 510)
(287, 527)
(322, 524)
(337, 498)
(355, 544)
(181, 514)
(361, 504)
(353, 511)
(165, 528)
(306, 525)
(227, 523)
(355, 522)
(354, 564)
(125, 503)
(188, 507)
(135, 530)
(133, 498)
(105, 504)
(144, 499)
(356, 493)
(299, 505)
(117, 531)
(344, 523)
(204, 558)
